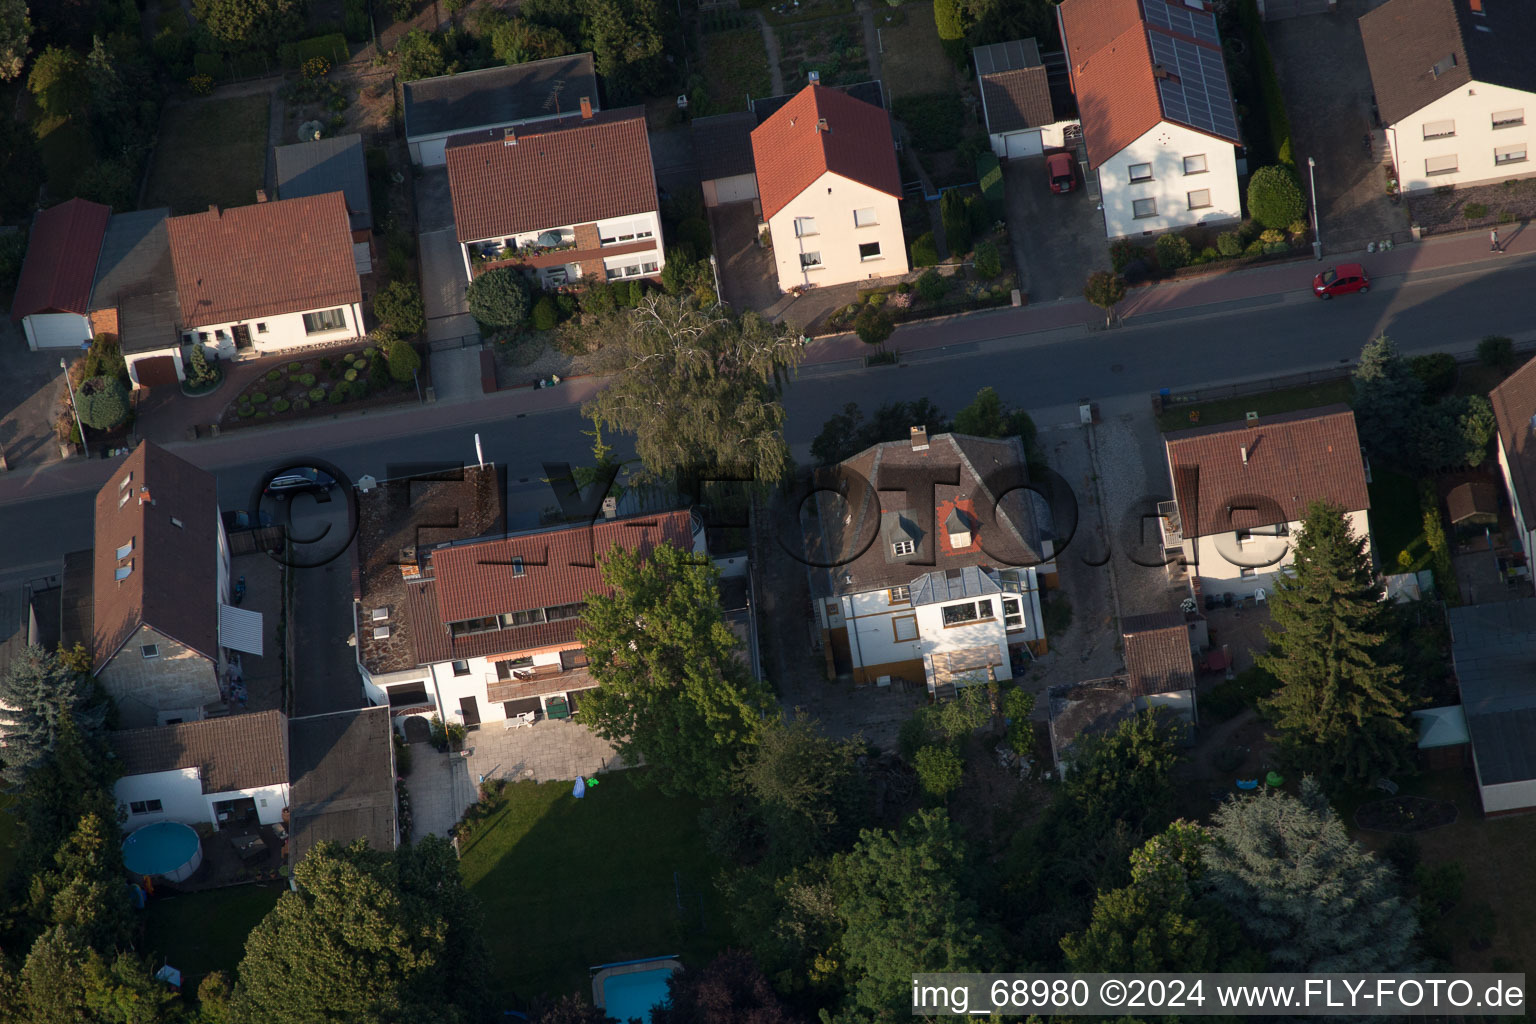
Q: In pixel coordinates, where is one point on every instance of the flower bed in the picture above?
(318, 385)
(1405, 814)
(1478, 207)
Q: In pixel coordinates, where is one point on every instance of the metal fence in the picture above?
(452, 344)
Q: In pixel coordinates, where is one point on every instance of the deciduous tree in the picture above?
(671, 687)
(847, 433)
(367, 936)
(989, 416)
(420, 55)
(399, 305)
(807, 787)
(1106, 291)
(1161, 922)
(259, 24)
(902, 908)
(15, 35)
(57, 80)
(1340, 707)
(1274, 197)
(730, 989)
(1309, 896)
(698, 389)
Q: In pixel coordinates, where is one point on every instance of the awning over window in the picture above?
(239, 629)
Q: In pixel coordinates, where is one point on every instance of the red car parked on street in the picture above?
(1058, 167)
(1341, 280)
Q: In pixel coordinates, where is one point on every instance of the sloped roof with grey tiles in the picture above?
(240, 752)
(496, 96)
(1493, 649)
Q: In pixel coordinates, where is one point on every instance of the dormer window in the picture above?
(517, 566)
(903, 547)
(958, 526)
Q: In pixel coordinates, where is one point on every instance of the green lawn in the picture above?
(1397, 522)
(569, 883)
(201, 932)
(210, 151)
(735, 67)
(913, 61)
(1270, 403)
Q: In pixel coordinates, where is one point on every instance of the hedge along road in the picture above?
(1447, 310)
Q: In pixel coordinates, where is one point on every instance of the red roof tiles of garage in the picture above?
(61, 259)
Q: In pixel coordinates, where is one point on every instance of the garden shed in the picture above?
(1493, 649)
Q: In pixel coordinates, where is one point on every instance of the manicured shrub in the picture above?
(351, 375)
(1274, 197)
(295, 367)
(102, 402)
(1437, 371)
(307, 379)
(874, 325)
(261, 414)
(316, 394)
(246, 411)
(989, 262)
(300, 404)
(399, 305)
(499, 298)
(1122, 251)
(989, 173)
(403, 361)
(1474, 211)
(957, 222)
(370, 351)
(280, 405)
(349, 357)
(259, 398)
(1173, 252)
(1228, 244)
(325, 363)
(545, 314)
(932, 286)
(274, 375)
(338, 395)
(925, 252)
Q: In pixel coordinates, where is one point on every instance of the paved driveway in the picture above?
(325, 678)
(1057, 240)
(434, 203)
(1321, 64)
(442, 274)
(672, 155)
(31, 385)
(747, 276)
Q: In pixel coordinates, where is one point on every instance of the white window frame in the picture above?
(876, 255)
(1193, 205)
(899, 595)
(866, 218)
(1508, 118)
(1013, 619)
(1430, 170)
(1137, 203)
(901, 622)
(811, 261)
(261, 327)
(1506, 155)
(1130, 172)
(1201, 169)
(323, 318)
(150, 806)
(805, 226)
(977, 615)
(902, 548)
(150, 651)
(1439, 129)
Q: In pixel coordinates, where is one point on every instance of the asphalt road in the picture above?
(1436, 311)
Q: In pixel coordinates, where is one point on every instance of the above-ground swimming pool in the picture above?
(630, 989)
(168, 849)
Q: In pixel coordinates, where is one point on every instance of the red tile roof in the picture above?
(1292, 460)
(173, 586)
(284, 256)
(791, 152)
(1110, 61)
(61, 259)
(559, 567)
(1158, 658)
(572, 170)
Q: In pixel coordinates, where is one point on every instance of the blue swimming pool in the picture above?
(167, 848)
(633, 994)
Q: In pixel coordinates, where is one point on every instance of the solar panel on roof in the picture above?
(1197, 94)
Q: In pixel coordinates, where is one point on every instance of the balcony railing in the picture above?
(1172, 527)
(520, 254)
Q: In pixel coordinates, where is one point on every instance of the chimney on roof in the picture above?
(586, 108)
(1476, 5)
(1244, 450)
(213, 208)
(261, 195)
(813, 77)
(821, 125)
(509, 136)
(144, 497)
(920, 438)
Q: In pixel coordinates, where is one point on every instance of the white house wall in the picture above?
(285, 333)
(449, 689)
(180, 793)
(832, 201)
(56, 330)
(939, 639)
(1471, 108)
(1220, 560)
(1165, 147)
(737, 188)
(270, 802)
(1527, 539)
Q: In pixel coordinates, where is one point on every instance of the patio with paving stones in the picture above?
(547, 750)
(441, 790)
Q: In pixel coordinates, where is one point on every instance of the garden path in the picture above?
(871, 39)
(771, 44)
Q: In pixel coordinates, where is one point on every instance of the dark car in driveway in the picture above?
(1341, 280)
(1058, 168)
(306, 480)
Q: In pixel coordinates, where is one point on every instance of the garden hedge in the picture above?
(989, 174)
(332, 47)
